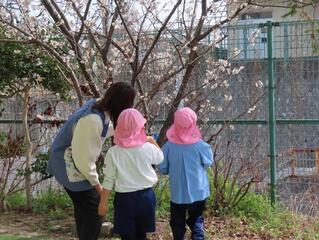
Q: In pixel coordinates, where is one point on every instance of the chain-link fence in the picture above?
(283, 53)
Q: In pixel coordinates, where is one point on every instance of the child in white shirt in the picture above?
(128, 171)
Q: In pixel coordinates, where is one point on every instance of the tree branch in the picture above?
(125, 25)
(159, 32)
(79, 34)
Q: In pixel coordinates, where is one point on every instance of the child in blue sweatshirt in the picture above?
(186, 158)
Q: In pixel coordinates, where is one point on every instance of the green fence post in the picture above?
(272, 116)
(245, 36)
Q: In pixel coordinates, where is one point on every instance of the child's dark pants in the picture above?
(195, 220)
(134, 214)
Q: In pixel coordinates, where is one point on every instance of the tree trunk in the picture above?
(29, 147)
(2, 202)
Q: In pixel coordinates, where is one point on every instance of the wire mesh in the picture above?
(296, 75)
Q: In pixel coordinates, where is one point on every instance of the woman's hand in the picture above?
(102, 210)
(104, 201)
(98, 188)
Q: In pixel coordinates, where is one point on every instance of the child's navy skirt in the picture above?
(134, 212)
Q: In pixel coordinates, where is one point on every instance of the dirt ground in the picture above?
(31, 225)
(35, 225)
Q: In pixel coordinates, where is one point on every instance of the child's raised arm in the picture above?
(157, 155)
(150, 139)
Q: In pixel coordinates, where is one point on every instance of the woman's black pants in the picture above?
(88, 222)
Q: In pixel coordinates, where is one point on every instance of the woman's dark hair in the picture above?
(119, 96)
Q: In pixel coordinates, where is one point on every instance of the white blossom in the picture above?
(38, 78)
(225, 83)
(250, 110)
(223, 62)
(59, 23)
(228, 97)
(71, 53)
(88, 24)
(213, 86)
(236, 71)
(259, 84)
(236, 51)
(243, 5)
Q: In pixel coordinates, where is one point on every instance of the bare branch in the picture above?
(159, 32)
(79, 34)
(299, 4)
(71, 39)
(56, 17)
(57, 8)
(109, 33)
(124, 24)
(217, 25)
(83, 19)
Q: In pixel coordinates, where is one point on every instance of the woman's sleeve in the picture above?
(109, 171)
(164, 166)
(87, 145)
(207, 157)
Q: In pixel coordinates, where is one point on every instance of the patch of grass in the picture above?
(58, 214)
(276, 222)
(262, 217)
(253, 206)
(5, 237)
(51, 200)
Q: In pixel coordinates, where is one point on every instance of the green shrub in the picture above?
(38, 166)
(110, 213)
(162, 193)
(17, 200)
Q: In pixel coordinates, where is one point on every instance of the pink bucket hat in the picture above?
(129, 131)
(184, 129)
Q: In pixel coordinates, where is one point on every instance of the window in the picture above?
(255, 15)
